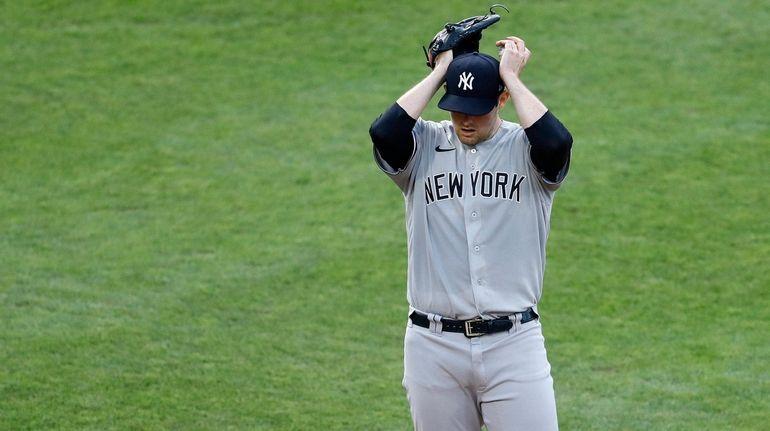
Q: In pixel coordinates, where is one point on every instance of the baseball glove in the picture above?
(461, 37)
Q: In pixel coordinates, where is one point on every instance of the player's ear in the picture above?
(502, 98)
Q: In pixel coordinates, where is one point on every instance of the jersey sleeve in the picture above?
(550, 149)
(423, 133)
(391, 134)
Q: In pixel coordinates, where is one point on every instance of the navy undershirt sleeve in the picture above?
(551, 144)
(391, 134)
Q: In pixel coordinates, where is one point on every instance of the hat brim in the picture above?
(466, 105)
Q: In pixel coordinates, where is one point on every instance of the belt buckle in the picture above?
(469, 328)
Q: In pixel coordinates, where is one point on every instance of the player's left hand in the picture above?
(514, 55)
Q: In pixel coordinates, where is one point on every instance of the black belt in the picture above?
(474, 327)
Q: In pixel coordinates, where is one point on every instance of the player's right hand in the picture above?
(443, 60)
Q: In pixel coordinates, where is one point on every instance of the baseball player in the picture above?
(478, 192)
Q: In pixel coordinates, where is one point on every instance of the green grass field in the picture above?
(193, 234)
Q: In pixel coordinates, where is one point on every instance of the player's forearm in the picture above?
(551, 142)
(417, 98)
(528, 107)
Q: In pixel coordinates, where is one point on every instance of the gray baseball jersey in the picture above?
(477, 221)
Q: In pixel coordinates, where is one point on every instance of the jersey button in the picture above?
(476, 248)
(473, 151)
(474, 214)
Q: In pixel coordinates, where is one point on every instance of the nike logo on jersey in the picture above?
(441, 150)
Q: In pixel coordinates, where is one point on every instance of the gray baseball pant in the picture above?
(500, 380)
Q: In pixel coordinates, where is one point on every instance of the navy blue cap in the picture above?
(473, 84)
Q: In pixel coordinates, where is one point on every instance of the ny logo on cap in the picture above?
(466, 81)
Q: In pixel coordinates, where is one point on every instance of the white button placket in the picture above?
(473, 218)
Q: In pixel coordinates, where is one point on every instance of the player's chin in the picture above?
(468, 137)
